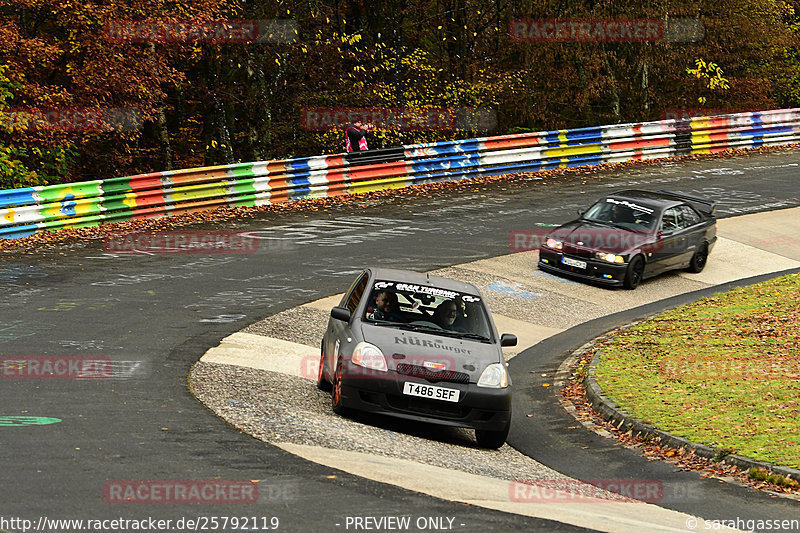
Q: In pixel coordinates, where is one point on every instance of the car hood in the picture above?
(586, 235)
(434, 352)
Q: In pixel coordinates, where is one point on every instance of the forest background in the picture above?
(196, 102)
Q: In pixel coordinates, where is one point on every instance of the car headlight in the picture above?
(611, 258)
(494, 376)
(554, 244)
(369, 356)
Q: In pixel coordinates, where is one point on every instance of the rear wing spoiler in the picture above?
(706, 205)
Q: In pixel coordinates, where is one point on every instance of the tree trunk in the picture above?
(162, 134)
(615, 105)
(645, 87)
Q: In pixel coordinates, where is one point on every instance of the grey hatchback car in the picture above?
(418, 347)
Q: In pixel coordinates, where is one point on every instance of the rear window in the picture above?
(437, 310)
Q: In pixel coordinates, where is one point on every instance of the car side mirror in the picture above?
(508, 339)
(581, 212)
(341, 313)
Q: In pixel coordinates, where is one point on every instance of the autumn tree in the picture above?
(215, 100)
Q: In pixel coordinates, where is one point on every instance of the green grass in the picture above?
(761, 474)
(723, 371)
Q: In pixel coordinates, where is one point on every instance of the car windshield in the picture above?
(430, 309)
(622, 213)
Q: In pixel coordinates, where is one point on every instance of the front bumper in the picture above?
(611, 274)
(477, 408)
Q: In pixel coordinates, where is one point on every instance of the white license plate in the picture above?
(429, 391)
(573, 262)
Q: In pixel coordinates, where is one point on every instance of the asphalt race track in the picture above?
(261, 380)
(153, 316)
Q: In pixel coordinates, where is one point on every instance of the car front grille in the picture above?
(421, 372)
(577, 252)
(428, 407)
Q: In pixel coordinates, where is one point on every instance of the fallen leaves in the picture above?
(652, 448)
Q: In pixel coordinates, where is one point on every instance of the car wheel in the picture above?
(336, 393)
(633, 277)
(322, 383)
(493, 439)
(699, 259)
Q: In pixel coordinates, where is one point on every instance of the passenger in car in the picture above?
(468, 320)
(445, 314)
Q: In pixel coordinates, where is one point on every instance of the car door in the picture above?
(693, 230)
(338, 330)
(672, 240)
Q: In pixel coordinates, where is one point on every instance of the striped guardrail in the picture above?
(29, 210)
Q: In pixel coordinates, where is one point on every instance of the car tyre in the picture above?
(633, 277)
(322, 383)
(336, 392)
(699, 259)
(493, 439)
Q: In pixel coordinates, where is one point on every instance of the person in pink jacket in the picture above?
(355, 136)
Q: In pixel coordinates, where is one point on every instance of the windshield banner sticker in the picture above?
(631, 205)
(405, 287)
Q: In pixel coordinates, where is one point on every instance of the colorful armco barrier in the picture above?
(26, 211)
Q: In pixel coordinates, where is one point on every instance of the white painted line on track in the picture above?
(493, 493)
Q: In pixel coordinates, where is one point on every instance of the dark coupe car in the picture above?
(418, 347)
(632, 235)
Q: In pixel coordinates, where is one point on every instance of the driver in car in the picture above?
(445, 315)
(621, 215)
(385, 307)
